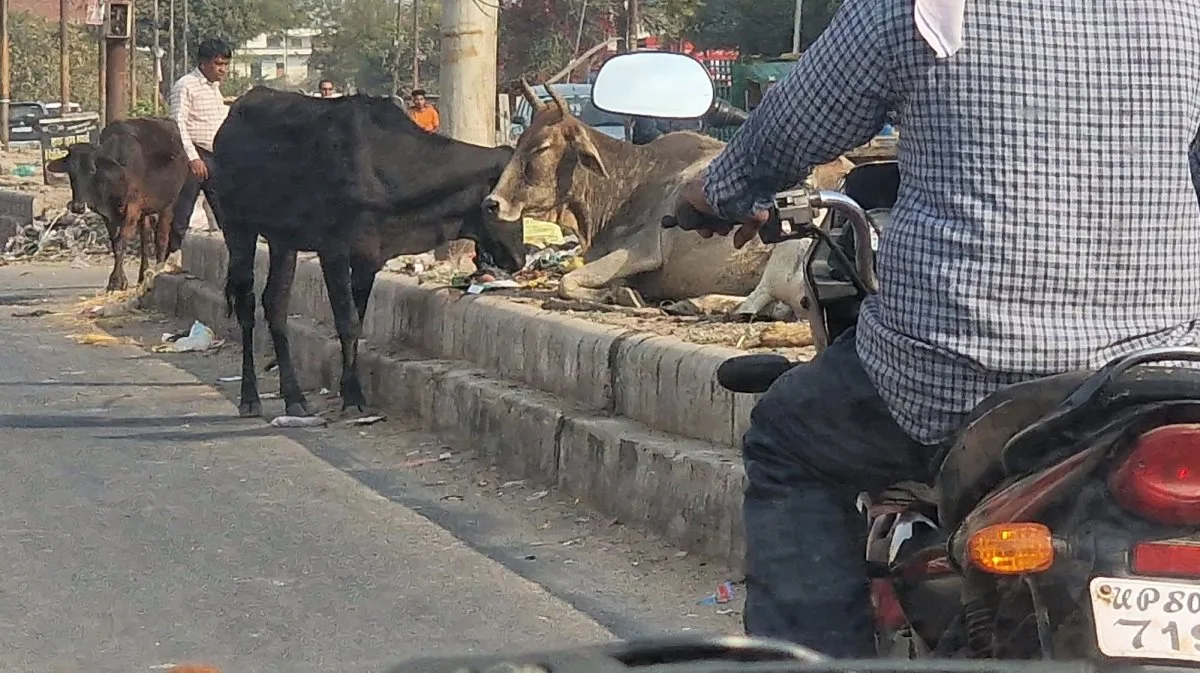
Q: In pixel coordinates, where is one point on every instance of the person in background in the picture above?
(199, 109)
(325, 87)
(424, 114)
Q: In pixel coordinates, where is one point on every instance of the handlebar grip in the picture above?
(669, 222)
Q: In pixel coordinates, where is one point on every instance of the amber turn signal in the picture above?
(1012, 549)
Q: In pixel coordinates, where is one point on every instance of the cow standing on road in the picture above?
(133, 175)
(354, 180)
(199, 109)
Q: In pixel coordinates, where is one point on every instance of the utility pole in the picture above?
(157, 65)
(171, 43)
(468, 78)
(396, 43)
(187, 53)
(5, 88)
(416, 42)
(103, 79)
(632, 19)
(631, 45)
(64, 68)
(116, 68)
(796, 17)
(133, 99)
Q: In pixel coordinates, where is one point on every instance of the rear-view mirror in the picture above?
(653, 84)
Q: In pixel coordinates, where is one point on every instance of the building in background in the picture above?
(278, 56)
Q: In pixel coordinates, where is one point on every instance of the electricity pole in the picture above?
(187, 54)
(64, 69)
(468, 80)
(171, 43)
(396, 61)
(5, 89)
(468, 77)
(796, 17)
(416, 42)
(157, 65)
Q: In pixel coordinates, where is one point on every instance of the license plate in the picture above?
(21, 129)
(1146, 619)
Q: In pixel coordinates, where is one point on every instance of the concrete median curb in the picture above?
(631, 423)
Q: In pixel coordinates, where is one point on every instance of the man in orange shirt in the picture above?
(424, 114)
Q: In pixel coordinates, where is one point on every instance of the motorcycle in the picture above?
(1063, 521)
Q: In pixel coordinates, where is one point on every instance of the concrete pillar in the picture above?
(468, 84)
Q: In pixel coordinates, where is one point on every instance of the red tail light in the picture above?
(1160, 480)
(1180, 558)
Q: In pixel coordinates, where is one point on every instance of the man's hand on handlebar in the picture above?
(693, 213)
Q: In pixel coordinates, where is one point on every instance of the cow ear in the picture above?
(589, 156)
(57, 166)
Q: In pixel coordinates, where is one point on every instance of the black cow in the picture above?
(352, 179)
(133, 175)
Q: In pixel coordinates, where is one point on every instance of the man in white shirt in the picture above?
(199, 109)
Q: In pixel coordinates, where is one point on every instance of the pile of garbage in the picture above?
(64, 235)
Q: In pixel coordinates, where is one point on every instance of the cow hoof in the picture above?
(248, 409)
(297, 409)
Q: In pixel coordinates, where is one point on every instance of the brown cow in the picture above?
(614, 195)
(133, 175)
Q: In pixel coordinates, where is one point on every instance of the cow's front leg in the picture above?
(596, 281)
(336, 268)
(275, 308)
(120, 239)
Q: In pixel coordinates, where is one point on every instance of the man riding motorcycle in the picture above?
(1047, 221)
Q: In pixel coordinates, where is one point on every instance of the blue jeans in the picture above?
(820, 436)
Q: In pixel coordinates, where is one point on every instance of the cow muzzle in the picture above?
(77, 207)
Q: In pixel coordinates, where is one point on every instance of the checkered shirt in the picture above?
(199, 109)
(1047, 220)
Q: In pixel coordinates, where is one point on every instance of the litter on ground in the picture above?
(199, 338)
(298, 422)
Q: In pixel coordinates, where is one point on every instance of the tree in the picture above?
(358, 45)
(761, 27)
(234, 21)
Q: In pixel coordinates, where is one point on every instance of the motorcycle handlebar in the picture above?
(724, 113)
(864, 230)
(793, 219)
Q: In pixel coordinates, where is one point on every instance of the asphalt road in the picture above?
(143, 524)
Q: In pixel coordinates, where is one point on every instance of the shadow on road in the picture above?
(103, 384)
(31, 422)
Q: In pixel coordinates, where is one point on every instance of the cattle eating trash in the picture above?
(354, 180)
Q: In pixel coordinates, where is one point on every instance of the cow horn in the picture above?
(562, 104)
(530, 96)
